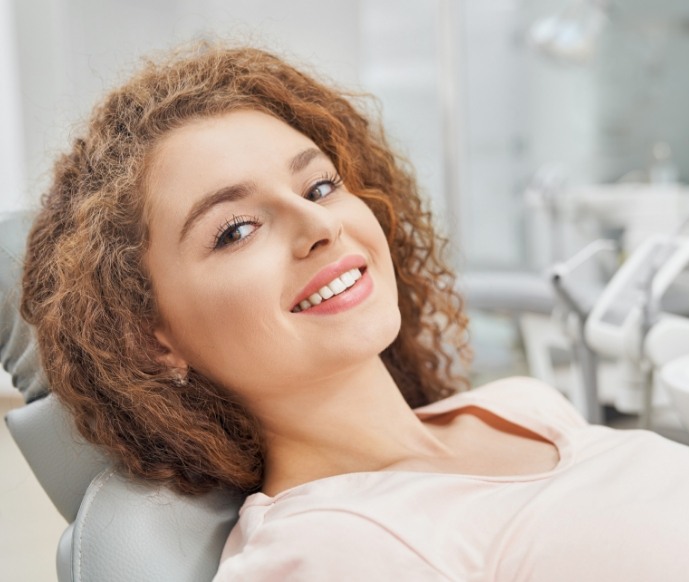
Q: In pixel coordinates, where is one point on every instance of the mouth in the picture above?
(337, 286)
(332, 285)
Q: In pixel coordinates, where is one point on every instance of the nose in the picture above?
(314, 227)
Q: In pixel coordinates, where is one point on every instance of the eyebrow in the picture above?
(226, 194)
(241, 190)
(303, 159)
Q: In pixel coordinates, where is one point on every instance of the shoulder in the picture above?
(519, 399)
(529, 396)
(322, 544)
(519, 389)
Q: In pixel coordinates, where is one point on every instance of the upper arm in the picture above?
(326, 545)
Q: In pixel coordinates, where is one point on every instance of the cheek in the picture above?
(379, 245)
(369, 227)
(233, 316)
(218, 316)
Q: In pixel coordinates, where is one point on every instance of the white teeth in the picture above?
(347, 279)
(335, 287)
(325, 292)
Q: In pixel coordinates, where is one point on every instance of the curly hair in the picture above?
(87, 292)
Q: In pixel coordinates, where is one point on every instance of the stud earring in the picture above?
(180, 380)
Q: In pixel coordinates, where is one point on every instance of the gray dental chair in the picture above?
(119, 530)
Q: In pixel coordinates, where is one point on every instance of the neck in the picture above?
(354, 421)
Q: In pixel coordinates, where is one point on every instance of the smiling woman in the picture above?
(209, 197)
(234, 284)
(279, 228)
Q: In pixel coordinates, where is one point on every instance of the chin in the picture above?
(381, 332)
(369, 338)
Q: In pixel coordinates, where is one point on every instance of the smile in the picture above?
(335, 287)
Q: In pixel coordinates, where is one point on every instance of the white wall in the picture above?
(643, 86)
(71, 51)
(11, 134)
(495, 115)
(401, 64)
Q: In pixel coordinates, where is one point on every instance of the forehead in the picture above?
(205, 154)
(243, 135)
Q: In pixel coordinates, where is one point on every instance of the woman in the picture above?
(233, 284)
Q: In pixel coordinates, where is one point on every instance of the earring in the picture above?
(180, 380)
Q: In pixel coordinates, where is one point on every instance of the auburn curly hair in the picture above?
(87, 292)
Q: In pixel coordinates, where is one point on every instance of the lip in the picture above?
(327, 274)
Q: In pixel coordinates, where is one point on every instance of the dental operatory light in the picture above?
(572, 34)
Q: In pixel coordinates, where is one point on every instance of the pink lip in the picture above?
(327, 274)
(356, 294)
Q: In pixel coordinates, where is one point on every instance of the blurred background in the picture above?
(535, 126)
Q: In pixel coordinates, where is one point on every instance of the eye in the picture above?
(323, 187)
(235, 231)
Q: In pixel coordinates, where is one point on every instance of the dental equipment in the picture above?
(630, 211)
(624, 316)
(674, 379)
(543, 195)
(575, 312)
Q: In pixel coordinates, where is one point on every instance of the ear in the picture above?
(169, 355)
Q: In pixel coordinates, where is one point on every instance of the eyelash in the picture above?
(231, 226)
(328, 178)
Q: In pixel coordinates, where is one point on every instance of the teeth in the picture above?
(347, 279)
(326, 292)
(315, 299)
(335, 287)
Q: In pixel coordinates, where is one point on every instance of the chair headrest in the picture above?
(127, 530)
(18, 352)
(62, 461)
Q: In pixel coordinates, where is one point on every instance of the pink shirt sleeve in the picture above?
(326, 545)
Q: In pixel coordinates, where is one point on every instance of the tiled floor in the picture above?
(30, 526)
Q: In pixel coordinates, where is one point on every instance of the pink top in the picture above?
(616, 507)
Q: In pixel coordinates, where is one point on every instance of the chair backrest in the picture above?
(119, 529)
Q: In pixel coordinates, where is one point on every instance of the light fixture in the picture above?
(572, 34)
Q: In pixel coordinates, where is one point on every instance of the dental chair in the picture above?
(118, 529)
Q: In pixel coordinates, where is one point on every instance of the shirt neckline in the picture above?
(550, 432)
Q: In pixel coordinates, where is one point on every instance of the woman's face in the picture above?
(267, 271)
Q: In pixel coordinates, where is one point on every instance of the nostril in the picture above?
(318, 243)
